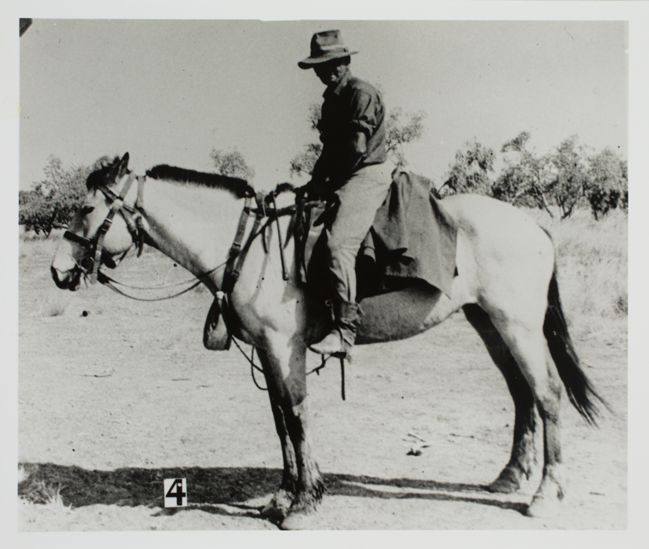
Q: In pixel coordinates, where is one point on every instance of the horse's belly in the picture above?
(396, 315)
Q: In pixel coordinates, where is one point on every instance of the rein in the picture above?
(316, 370)
(113, 284)
(266, 210)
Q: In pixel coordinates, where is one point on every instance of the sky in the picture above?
(171, 91)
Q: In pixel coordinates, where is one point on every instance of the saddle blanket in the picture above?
(412, 238)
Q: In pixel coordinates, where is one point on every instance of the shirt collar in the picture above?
(340, 86)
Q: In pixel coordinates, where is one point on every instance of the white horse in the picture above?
(506, 285)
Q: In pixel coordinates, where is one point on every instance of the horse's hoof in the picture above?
(543, 507)
(507, 482)
(299, 520)
(277, 508)
(273, 513)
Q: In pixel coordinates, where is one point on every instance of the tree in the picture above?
(231, 163)
(567, 176)
(607, 186)
(471, 170)
(53, 200)
(401, 128)
(302, 164)
(34, 212)
(523, 179)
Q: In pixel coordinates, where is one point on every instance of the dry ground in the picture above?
(112, 402)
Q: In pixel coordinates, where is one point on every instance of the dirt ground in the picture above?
(112, 402)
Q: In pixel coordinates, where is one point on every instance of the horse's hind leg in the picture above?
(528, 347)
(277, 508)
(523, 454)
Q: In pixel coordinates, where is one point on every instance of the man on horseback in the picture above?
(351, 171)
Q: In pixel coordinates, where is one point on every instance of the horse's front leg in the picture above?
(278, 506)
(287, 375)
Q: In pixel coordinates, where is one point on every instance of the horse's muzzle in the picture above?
(68, 280)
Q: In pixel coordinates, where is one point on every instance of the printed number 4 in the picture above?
(177, 484)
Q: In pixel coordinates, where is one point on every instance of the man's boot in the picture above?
(340, 340)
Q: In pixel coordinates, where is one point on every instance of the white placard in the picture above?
(175, 492)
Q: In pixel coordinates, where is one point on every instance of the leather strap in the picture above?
(231, 275)
(116, 205)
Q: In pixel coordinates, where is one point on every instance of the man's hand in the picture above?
(314, 189)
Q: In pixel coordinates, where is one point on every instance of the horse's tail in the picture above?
(581, 392)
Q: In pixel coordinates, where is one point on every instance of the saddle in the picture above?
(412, 243)
(412, 239)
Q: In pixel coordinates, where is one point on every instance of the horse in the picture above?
(506, 285)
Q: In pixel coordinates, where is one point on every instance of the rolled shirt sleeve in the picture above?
(363, 112)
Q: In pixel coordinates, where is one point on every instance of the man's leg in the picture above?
(360, 197)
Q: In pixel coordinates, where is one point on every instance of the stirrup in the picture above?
(344, 351)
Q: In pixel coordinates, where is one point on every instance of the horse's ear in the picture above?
(122, 165)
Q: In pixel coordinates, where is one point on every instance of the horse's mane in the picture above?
(237, 186)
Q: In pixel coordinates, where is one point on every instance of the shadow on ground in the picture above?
(232, 486)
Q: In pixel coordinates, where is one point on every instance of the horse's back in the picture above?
(506, 258)
(495, 225)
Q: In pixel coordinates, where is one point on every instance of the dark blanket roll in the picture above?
(412, 236)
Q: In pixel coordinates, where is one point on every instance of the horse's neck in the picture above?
(195, 226)
(191, 224)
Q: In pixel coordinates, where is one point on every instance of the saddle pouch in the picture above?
(216, 336)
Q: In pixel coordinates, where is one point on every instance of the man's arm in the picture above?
(317, 186)
(352, 156)
(357, 149)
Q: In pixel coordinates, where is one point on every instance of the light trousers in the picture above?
(360, 197)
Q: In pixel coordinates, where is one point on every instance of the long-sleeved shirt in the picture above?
(352, 106)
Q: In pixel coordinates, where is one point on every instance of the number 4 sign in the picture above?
(175, 492)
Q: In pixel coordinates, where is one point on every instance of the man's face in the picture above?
(331, 72)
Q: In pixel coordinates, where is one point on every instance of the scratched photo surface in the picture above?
(503, 147)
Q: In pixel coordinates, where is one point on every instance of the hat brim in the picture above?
(310, 62)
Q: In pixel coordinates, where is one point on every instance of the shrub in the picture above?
(607, 186)
(53, 200)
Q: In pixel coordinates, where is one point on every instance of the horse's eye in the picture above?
(85, 210)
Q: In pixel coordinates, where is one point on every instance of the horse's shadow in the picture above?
(224, 490)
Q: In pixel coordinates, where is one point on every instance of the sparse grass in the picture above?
(592, 259)
(37, 491)
(37, 246)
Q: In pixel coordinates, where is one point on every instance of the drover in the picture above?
(506, 285)
(350, 170)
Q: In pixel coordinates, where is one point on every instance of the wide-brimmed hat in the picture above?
(325, 46)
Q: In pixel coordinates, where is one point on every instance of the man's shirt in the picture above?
(352, 106)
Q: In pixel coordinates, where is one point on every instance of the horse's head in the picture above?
(95, 235)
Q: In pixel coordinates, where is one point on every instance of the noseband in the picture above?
(95, 245)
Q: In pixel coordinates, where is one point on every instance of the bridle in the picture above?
(132, 218)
